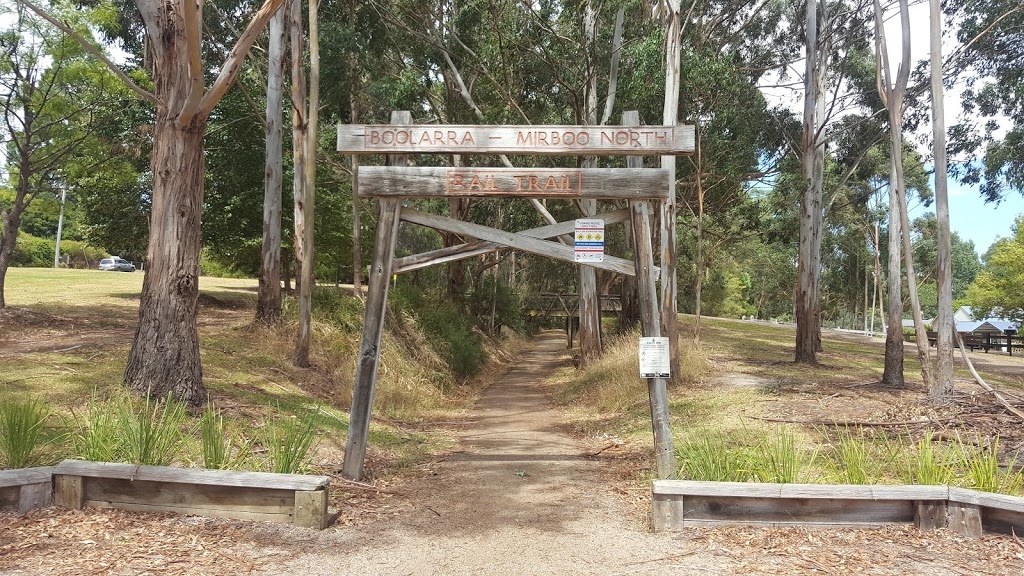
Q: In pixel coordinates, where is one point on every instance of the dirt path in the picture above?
(519, 498)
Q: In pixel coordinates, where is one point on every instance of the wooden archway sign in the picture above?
(397, 180)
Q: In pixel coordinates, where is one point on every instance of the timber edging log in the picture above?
(679, 504)
(285, 498)
(26, 489)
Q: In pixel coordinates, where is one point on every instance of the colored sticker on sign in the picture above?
(589, 245)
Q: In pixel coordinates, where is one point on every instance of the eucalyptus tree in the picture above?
(164, 357)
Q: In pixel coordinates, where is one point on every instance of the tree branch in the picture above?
(193, 40)
(88, 46)
(233, 63)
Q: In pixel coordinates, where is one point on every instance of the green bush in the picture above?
(33, 252)
(450, 331)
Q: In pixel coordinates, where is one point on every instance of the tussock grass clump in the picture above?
(929, 463)
(746, 455)
(21, 430)
(124, 429)
(981, 469)
(219, 450)
(152, 431)
(97, 433)
(714, 457)
(288, 440)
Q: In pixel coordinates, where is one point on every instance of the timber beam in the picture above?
(513, 240)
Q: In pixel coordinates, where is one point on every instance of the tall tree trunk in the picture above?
(299, 158)
(164, 357)
(590, 308)
(268, 301)
(8, 239)
(941, 389)
(892, 374)
(353, 98)
(808, 324)
(669, 310)
(700, 245)
(305, 203)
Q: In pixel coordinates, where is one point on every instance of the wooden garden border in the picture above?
(679, 504)
(285, 498)
(26, 489)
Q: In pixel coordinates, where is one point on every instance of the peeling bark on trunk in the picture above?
(164, 358)
(353, 101)
(941, 389)
(669, 309)
(268, 302)
(892, 374)
(807, 308)
(590, 306)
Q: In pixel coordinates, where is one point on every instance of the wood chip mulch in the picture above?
(80, 542)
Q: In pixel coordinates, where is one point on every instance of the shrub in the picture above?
(217, 447)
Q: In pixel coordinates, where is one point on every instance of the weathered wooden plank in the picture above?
(965, 519)
(373, 324)
(480, 247)
(589, 183)
(512, 240)
(311, 509)
(35, 496)
(988, 499)
(191, 475)
(10, 496)
(263, 500)
(68, 491)
(545, 140)
(25, 476)
(792, 511)
(1002, 521)
(767, 490)
(929, 515)
(192, 510)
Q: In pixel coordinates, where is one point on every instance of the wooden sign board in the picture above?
(609, 183)
(549, 140)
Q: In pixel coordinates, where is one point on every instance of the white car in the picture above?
(116, 264)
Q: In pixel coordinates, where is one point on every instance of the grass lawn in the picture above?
(66, 333)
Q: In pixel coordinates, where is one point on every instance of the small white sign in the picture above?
(654, 357)
(589, 240)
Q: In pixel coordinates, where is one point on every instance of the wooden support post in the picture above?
(667, 513)
(965, 519)
(69, 491)
(643, 260)
(373, 324)
(929, 515)
(311, 508)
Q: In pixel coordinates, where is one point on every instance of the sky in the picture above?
(973, 219)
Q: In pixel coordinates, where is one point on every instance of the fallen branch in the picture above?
(848, 423)
(981, 381)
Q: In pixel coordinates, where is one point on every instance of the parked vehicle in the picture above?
(116, 264)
